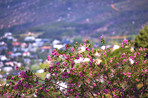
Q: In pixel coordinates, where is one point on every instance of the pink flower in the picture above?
(72, 49)
(12, 78)
(106, 90)
(17, 68)
(10, 83)
(101, 37)
(146, 70)
(129, 74)
(124, 60)
(125, 41)
(53, 50)
(91, 74)
(109, 82)
(117, 63)
(111, 60)
(66, 46)
(124, 73)
(15, 87)
(144, 61)
(88, 56)
(49, 58)
(145, 54)
(121, 45)
(85, 41)
(137, 80)
(123, 55)
(140, 49)
(94, 84)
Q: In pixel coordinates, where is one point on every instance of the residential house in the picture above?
(26, 54)
(66, 41)
(7, 68)
(29, 39)
(17, 54)
(9, 63)
(57, 44)
(27, 61)
(2, 43)
(16, 46)
(46, 48)
(3, 58)
(23, 45)
(1, 64)
(7, 34)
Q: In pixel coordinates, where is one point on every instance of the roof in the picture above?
(2, 43)
(23, 44)
(46, 47)
(15, 43)
(10, 52)
(55, 42)
(30, 38)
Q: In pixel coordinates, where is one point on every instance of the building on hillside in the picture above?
(58, 46)
(29, 39)
(26, 54)
(56, 42)
(46, 48)
(7, 34)
(3, 58)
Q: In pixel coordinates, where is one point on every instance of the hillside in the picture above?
(74, 17)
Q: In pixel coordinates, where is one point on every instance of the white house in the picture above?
(29, 38)
(58, 46)
(3, 57)
(55, 42)
(1, 64)
(7, 69)
(8, 34)
(26, 54)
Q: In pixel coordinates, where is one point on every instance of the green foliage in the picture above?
(44, 65)
(78, 39)
(142, 39)
(80, 74)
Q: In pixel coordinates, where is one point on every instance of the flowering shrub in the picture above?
(89, 72)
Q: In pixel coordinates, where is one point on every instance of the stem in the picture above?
(89, 89)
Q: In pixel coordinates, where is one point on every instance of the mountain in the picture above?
(74, 17)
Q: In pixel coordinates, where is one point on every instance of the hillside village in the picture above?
(32, 51)
(14, 52)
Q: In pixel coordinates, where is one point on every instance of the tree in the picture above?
(142, 39)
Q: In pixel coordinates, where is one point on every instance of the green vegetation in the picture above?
(142, 39)
(82, 74)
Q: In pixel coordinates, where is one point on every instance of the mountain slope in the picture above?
(85, 17)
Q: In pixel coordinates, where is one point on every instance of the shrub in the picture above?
(77, 72)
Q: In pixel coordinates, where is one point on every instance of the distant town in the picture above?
(30, 51)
